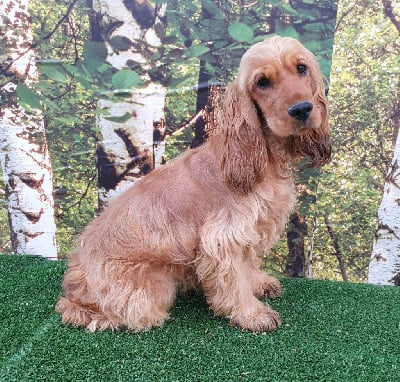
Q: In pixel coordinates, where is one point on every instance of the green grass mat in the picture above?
(331, 332)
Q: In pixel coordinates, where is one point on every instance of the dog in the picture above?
(205, 219)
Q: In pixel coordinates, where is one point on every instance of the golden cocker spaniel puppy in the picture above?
(204, 220)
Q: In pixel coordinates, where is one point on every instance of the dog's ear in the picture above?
(316, 143)
(244, 153)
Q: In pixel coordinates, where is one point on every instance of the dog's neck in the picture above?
(279, 155)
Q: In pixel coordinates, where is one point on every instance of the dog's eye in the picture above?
(263, 83)
(301, 69)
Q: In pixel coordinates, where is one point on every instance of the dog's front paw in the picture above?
(270, 287)
(262, 320)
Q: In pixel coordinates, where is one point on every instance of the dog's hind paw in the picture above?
(270, 287)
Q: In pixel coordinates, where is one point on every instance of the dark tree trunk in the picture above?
(338, 252)
(296, 232)
(203, 90)
(208, 103)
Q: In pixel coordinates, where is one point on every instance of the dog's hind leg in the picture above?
(263, 284)
(79, 306)
(136, 297)
(140, 298)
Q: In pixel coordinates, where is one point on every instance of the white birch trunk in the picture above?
(385, 259)
(129, 148)
(23, 148)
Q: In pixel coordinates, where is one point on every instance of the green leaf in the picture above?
(125, 79)
(313, 46)
(84, 82)
(119, 119)
(181, 82)
(27, 97)
(325, 68)
(67, 120)
(50, 104)
(240, 32)
(121, 43)
(286, 30)
(94, 54)
(287, 9)
(73, 69)
(197, 51)
(55, 72)
(212, 9)
(104, 68)
(170, 39)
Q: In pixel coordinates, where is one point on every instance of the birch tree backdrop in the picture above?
(24, 151)
(364, 95)
(126, 85)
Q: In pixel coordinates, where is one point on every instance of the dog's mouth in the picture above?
(304, 140)
(301, 127)
(313, 145)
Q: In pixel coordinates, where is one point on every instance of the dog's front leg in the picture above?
(225, 277)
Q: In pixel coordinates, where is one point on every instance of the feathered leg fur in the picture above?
(226, 270)
(137, 298)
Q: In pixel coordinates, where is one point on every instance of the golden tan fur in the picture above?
(204, 219)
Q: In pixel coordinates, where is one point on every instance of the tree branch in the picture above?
(388, 12)
(45, 38)
(187, 124)
(343, 16)
(83, 196)
(338, 252)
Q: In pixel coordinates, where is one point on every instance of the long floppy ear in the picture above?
(315, 143)
(244, 153)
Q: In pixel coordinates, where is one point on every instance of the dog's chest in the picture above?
(276, 200)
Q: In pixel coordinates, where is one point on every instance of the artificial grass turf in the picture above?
(331, 332)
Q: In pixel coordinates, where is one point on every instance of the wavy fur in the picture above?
(205, 219)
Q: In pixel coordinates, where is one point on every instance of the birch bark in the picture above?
(24, 152)
(131, 149)
(384, 267)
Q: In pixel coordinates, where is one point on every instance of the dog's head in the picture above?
(278, 92)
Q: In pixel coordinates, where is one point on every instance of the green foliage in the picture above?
(218, 33)
(363, 89)
(27, 98)
(241, 32)
(74, 74)
(364, 79)
(363, 92)
(55, 72)
(94, 54)
(125, 79)
(67, 90)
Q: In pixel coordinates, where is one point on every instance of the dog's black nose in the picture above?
(301, 111)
